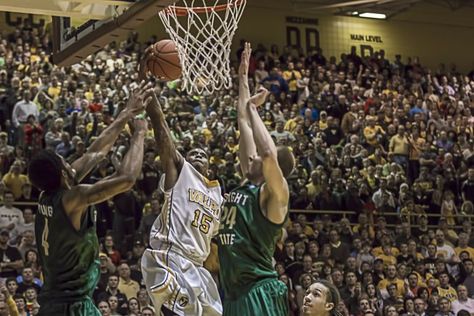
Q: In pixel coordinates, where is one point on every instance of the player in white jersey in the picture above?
(181, 235)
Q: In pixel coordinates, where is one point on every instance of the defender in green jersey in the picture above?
(253, 214)
(65, 222)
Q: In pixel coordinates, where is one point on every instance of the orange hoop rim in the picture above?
(183, 11)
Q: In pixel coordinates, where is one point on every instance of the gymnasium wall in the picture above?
(433, 33)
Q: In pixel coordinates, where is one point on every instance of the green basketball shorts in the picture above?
(84, 307)
(268, 297)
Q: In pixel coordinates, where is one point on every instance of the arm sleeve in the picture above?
(12, 307)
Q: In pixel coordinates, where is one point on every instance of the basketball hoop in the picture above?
(203, 36)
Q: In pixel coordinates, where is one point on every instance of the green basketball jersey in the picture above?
(70, 258)
(246, 242)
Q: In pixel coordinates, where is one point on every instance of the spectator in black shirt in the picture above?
(150, 176)
(431, 259)
(112, 290)
(404, 256)
(467, 188)
(339, 250)
(405, 235)
(10, 257)
(467, 276)
(422, 229)
(149, 218)
(333, 134)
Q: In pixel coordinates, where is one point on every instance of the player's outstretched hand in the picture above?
(245, 60)
(153, 100)
(138, 100)
(142, 67)
(260, 97)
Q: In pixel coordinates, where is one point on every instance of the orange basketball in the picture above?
(164, 62)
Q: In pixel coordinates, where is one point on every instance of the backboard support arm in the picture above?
(102, 33)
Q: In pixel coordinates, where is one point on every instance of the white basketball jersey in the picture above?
(189, 217)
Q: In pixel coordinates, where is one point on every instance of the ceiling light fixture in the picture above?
(371, 15)
(355, 12)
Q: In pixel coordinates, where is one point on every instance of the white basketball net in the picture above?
(203, 38)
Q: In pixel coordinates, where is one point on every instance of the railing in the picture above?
(23, 204)
(390, 216)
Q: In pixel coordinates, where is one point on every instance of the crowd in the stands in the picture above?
(389, 142)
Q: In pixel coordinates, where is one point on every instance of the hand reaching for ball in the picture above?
(245, 60)
(143, 70)
(154, 103)
(139, 98)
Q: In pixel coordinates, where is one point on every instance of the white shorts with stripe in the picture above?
(180, 285)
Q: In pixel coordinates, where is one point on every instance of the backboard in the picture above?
(101, 22)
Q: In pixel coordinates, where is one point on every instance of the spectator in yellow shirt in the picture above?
(391, 273)
(463, 245)
(323, 120)
(387, 257)
(292, 76)
(292, 123)
(373, 132)
(444, 289)
(231, 145)
(314, 187)
(55, 89)
(399, 147)
(377, 157)
(126, 285)
(14, 180)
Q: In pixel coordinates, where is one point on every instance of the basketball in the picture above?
(164, 61)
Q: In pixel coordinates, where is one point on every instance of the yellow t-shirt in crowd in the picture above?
(371, 132)
(291, 76)
(130, 288)
(323, 125)
(14, 183)
(207, 134)
(400, 285)
(290, 125)
(399, 145)
(387, 259)
(449, 293)
(422, 280)
(470, 250)
(377, 251)
(54, 92)
(313, 190)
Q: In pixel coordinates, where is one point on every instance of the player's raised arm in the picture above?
(171, 159)
(102, 145)
(142, 67)
(247, 147)
(275, 193)
(79, 197)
